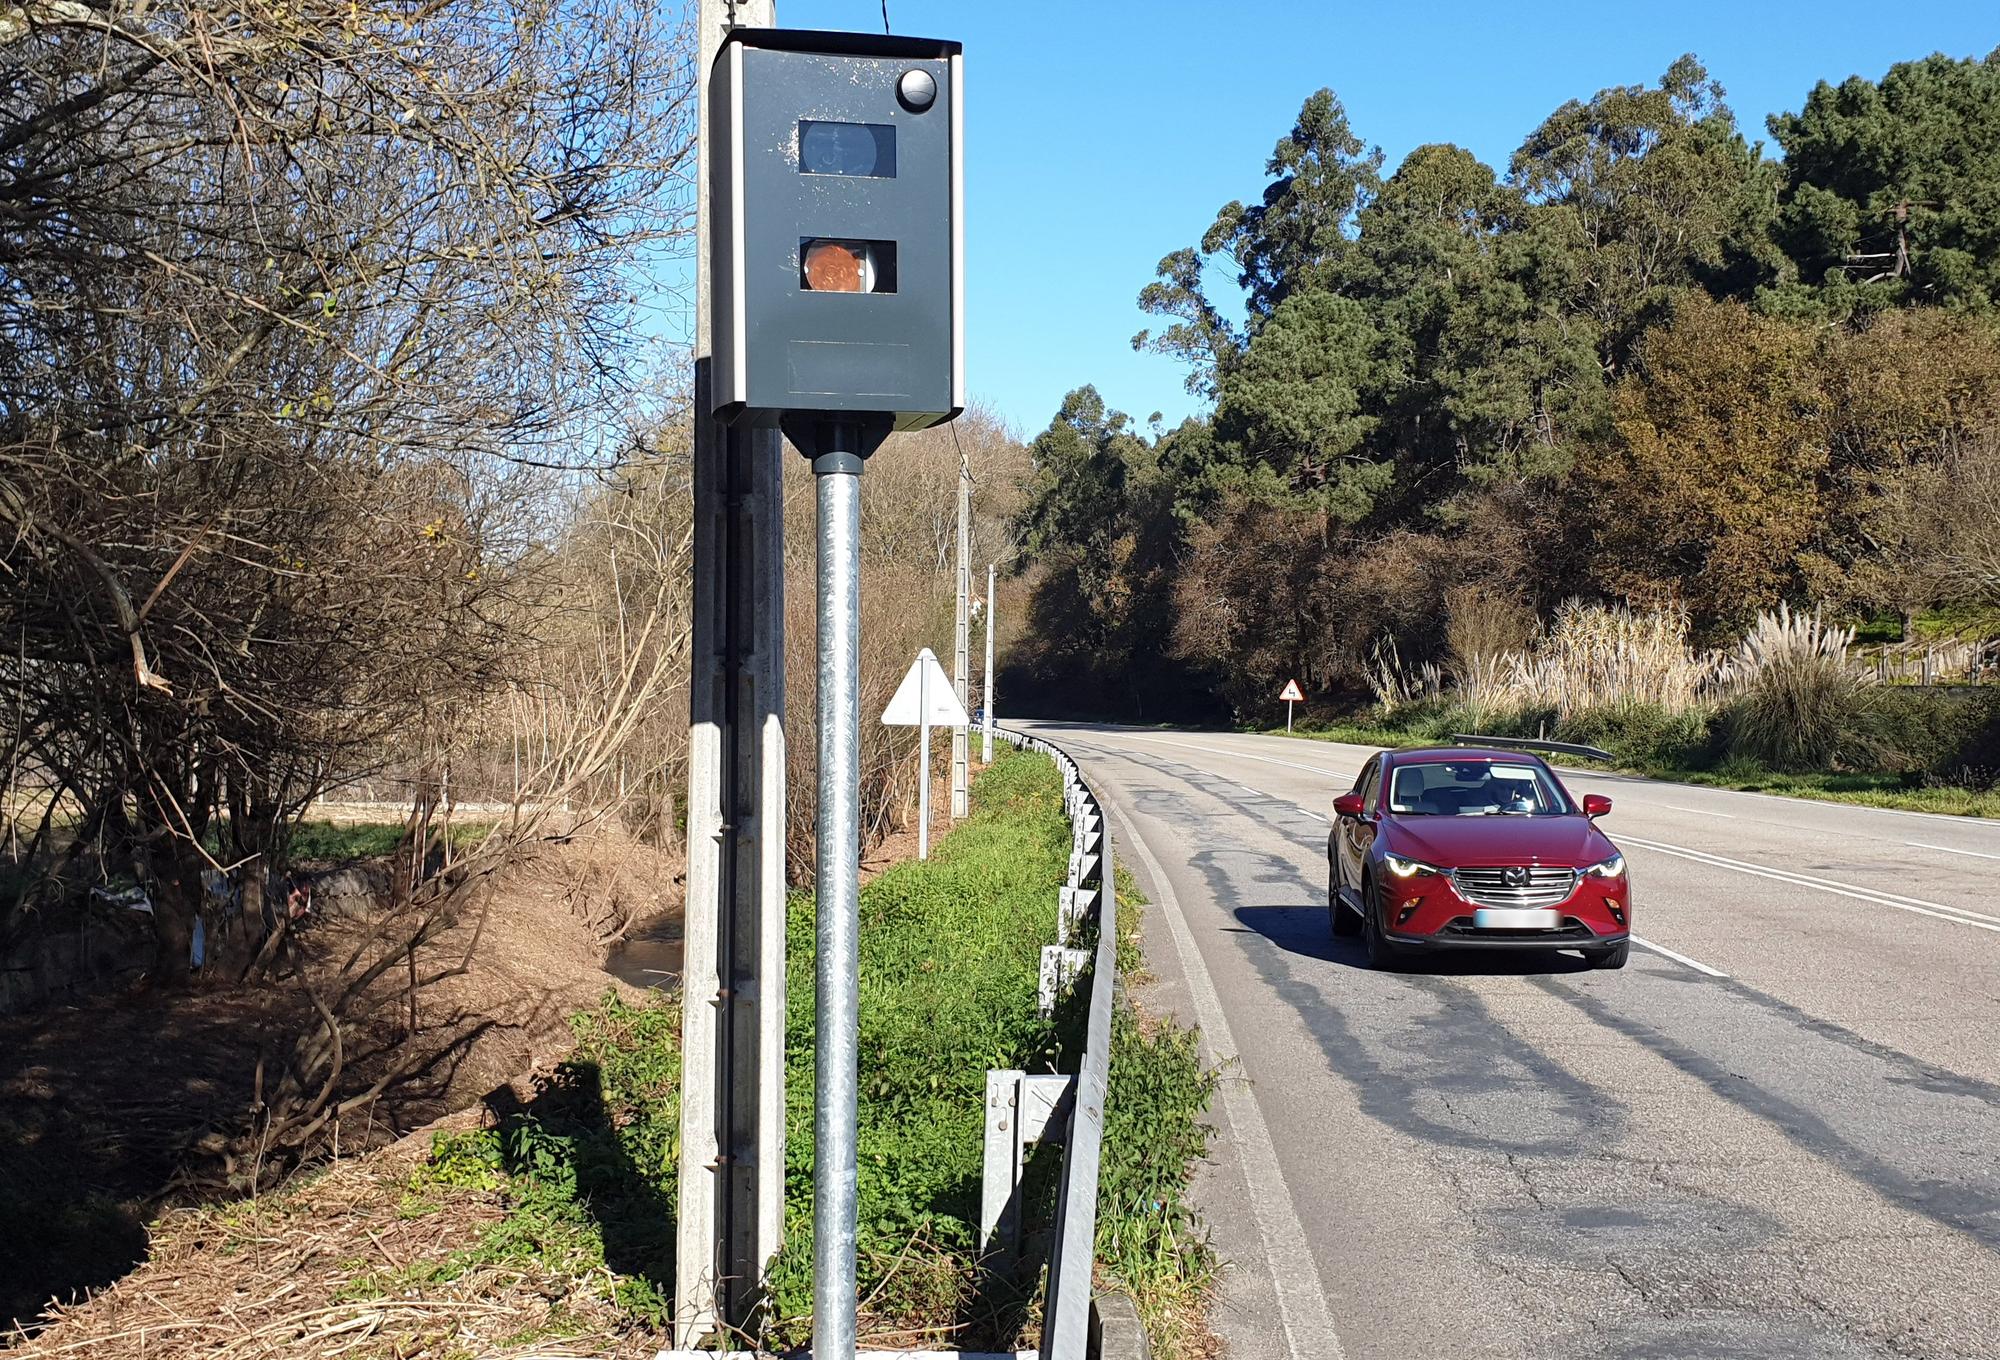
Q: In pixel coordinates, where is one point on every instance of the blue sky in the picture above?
(1100, 137)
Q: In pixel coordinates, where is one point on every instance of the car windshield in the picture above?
(1474, 788)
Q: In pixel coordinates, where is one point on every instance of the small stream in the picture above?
(650, 954)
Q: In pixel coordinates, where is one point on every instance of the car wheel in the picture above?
(1343, 921)
(1613, 957)
(1381, 953)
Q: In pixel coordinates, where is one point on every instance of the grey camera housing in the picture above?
(819, 137)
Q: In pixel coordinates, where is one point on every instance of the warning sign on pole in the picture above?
(924, 700)
(1291, 696)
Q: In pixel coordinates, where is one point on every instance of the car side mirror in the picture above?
(1595, 805)
(1347, 805)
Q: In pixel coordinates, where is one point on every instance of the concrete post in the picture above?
(732, 1031)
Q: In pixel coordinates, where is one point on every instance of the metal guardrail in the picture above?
(1066, 1307)
(1561, 748)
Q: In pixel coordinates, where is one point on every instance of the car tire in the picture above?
(1381, 953)
(1343, 922)
(1613, 957)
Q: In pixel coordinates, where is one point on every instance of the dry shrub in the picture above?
(1796, 701)
(1483, 629)
(1397, 685)
(1591, 657)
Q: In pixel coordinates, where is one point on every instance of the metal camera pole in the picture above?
(837, 463)
(819, 141)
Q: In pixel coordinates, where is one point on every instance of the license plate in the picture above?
(1515, 918)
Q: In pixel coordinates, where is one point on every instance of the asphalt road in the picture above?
(1776, 1133)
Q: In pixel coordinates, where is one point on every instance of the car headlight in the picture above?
(1610, 868)
(1408, 868)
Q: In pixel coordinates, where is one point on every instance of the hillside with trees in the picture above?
(1648, 363)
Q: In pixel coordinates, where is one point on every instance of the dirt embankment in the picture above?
(114, 1111)
(356, 1261)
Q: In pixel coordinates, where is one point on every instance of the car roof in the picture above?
(1468, 754)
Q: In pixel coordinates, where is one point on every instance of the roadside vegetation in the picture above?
(548, 1219)
(1649, 364)
(1788, 710)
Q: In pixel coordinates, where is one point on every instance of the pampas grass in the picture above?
(1796, 701)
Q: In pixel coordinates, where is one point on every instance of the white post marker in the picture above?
(925, 700)
(1291, 696)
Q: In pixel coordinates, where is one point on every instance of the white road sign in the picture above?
(925, 691)
(1292, 691)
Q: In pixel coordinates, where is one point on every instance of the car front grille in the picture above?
(1464, 928)
(1488, 887)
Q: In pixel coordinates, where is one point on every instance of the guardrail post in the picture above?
(1061, 967)
(1000, 1169)
(1021, 1110)
(1072, 909)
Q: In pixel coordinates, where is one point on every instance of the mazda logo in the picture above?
(1517, 877)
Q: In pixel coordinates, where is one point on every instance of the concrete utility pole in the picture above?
(986, 739)
(961, 648)
(732, 1171)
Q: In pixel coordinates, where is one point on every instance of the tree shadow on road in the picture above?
(1305, 930)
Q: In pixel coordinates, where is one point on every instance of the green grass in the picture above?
(345, 840)
(322, 840)
(950, 954)
(1148, 1235)
(587, 1169)
(1861, 789)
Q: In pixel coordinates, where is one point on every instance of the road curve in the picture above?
(1775, 1134)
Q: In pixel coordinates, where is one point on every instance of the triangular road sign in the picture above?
(945, 710)
(1292, 691)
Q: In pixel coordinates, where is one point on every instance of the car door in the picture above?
(1357, 834)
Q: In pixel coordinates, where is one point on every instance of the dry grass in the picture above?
(288, 1276)
(1798, 701)
(1397, 685)
(113, 1111)
(1598, 656)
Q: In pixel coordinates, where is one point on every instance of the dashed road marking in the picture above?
(1951, 850)
(1918, 905)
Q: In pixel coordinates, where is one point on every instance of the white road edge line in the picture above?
(1302, 1312)
(1678, 958)
(1951, 850)
(1918, 905)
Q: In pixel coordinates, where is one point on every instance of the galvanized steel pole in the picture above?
(837, 999)
(923, 761)
(986, 752)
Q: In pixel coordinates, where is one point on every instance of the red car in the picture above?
(1457, 847)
